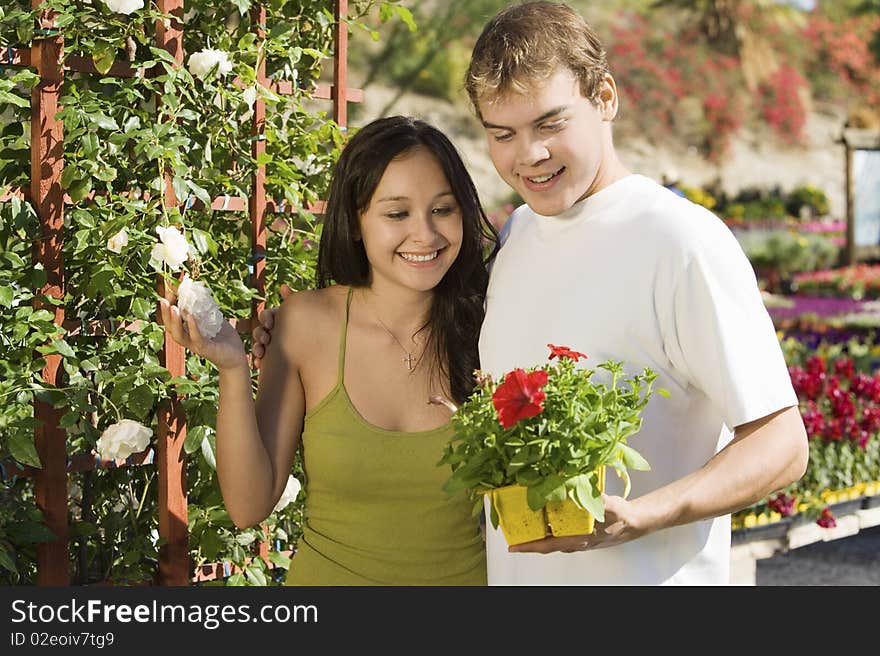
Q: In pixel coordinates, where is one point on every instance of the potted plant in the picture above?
(538, 442)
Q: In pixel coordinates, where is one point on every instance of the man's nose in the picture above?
(532, 152)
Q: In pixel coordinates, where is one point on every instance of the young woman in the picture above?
(351, 367)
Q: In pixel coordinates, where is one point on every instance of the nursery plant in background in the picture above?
(838, 387)
(121, 136)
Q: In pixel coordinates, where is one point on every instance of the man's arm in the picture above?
(765, 455)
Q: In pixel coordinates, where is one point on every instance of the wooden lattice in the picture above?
(48, 200)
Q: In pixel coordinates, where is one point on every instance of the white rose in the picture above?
(194, 299)
(200, 63)
(118, 241)
(122, 439)
(291, 492)
(124, 6)
(173, 249)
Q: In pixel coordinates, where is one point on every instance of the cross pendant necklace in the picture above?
(410, 360)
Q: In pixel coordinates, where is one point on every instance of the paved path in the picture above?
(849, 561)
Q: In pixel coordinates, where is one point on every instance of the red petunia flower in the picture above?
(564, 352)
(520, 396)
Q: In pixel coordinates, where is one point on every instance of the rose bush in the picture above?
(122, 136)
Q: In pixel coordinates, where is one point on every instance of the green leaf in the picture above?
(64, 349)
(7, 293)
(80, 189)
(243, 6)
(209, 450)
(141, 308)
(103, 121)
(279, 559)
(21, 446)
(194, 437)
(83, 529)
(6, 560)
(632, 458)
(406, 16)
(103, 55)
(255, 576)
(199, 193)
(141, 401)
(587, 495)
(211, 544)
(29, 532)
(552, 488)
(7, 98)
(236, 579)
(203, 242)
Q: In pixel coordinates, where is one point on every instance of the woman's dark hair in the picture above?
(457, 308)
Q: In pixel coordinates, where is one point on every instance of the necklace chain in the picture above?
(410, 360)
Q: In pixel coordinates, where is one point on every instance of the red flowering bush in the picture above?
(549, 429)
(781, 105)
(840, 407)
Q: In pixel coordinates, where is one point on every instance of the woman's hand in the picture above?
(226, 350)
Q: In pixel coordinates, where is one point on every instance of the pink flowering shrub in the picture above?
(860, 281)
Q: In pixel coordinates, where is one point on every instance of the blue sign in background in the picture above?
(866, 197)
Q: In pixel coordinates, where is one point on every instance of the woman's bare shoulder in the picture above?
(307, 317)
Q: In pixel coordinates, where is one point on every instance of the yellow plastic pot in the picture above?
(519, 523)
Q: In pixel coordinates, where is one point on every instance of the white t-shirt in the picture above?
(637, 274)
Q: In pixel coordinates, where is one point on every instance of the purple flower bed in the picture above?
(818, 305)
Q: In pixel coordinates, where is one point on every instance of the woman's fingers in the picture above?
(195, 334)
(173, 323)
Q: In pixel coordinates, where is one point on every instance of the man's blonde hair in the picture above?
(526, 44)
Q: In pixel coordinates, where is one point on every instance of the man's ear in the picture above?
(607, 99)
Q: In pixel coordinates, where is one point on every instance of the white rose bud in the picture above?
(118, 241)
(195, 300)
(124, 6)
(122, 439)
(173, 249)
(291, 492)
(200, 63)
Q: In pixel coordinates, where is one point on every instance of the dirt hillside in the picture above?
(753, 161)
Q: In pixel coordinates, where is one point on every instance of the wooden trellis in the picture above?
(48, 200)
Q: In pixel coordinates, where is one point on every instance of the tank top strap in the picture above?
(341, 368)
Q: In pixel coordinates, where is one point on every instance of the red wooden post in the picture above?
(174, 555)
(47, 196)
(340, 67)
(257, 199)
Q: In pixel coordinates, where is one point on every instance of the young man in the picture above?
(613, 265)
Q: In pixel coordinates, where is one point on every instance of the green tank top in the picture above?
(375, 510)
